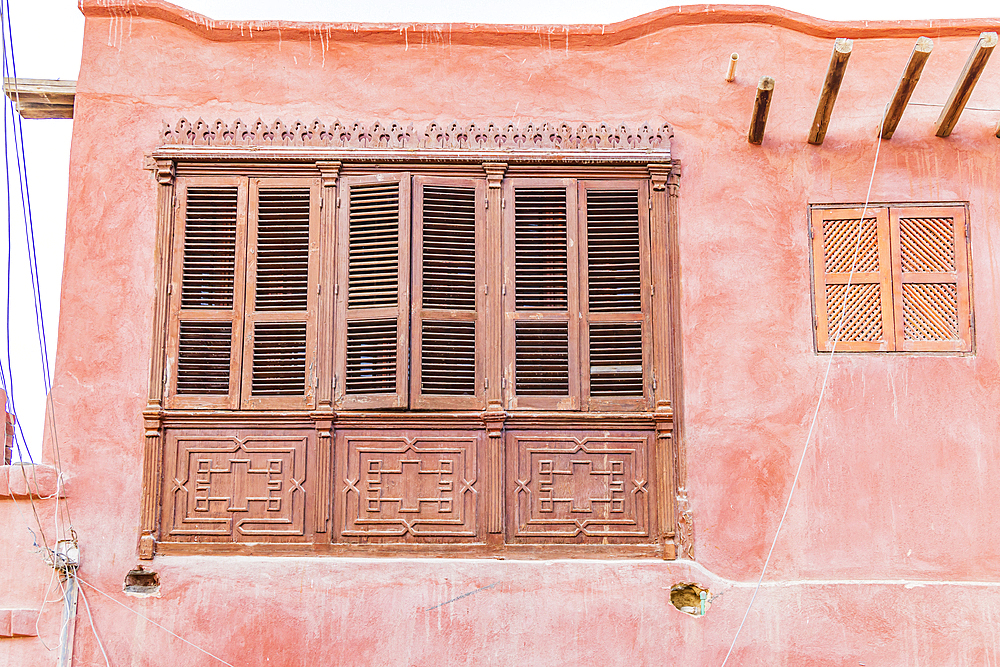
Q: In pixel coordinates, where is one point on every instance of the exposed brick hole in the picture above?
(142, 582)
(690, 598)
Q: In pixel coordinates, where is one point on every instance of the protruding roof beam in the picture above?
(907, 83)
(831, 86)
(731, 72)
(761, 105)
(41, 98)
(966, 82)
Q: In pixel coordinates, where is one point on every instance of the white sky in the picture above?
(47, 39)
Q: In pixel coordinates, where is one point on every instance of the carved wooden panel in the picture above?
(433, 136)
(406, 486)
(580, 489)
(241, 486)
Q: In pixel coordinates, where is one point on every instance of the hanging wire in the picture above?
(822, 391)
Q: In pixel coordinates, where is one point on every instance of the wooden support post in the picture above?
(731, 72)
(966, 82)
(831, 86)
(760, 108)
(907, 83)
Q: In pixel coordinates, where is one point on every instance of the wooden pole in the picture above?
(731, 72)
(831, 86)
(761, 105)
(907, 83)
(966, 82)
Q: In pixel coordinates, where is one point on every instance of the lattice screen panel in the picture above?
(846, 246)
(854, 312)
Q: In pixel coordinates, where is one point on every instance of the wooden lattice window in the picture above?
(897, 281)
(242, 314)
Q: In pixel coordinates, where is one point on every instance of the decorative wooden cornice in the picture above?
(574, 36)
(403, 136)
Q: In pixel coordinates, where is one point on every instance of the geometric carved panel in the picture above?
(580, 488)
(246, 488)
(409, 487)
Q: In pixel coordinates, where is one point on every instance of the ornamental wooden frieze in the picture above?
(408, 488)
(549, 137)
(244, 487)
(579, 489)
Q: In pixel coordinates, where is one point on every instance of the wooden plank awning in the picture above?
(41, 98)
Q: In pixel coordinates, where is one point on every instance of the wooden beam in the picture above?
(731, 72)
(966, 82)
(41, 98)
(831, 86)
(761, 105)
(907, 83)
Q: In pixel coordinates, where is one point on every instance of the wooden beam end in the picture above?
(761, 106)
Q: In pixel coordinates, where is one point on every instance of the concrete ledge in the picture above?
(18, 622)
(26, 479)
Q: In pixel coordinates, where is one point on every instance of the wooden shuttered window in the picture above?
(899, 281)
(930, 278)
(852, 275)
(279, 368)
(615, 295)
(242, 319)
(373, 291)
(448, 291)
(541, 294)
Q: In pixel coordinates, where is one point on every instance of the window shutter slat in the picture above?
(616, 359)
(279, 359)
(374, 236)
(613, 256)
(448, 226)
(852, 274)
(541, 363)
(204, 357)
(541, 274)
(204, 352)
(930, 279)
(209, 248)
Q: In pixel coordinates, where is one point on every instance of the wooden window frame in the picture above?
(309, 432)
(891, 278)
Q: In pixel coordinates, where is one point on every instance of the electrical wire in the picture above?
(86, 605)
(822, 391)
(149, 620)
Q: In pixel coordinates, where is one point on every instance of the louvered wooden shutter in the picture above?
(852, 307)
(373, 291)
(931, 278)
(541, 351)
(615, 298)
(279, 365)
(448, 227)
(204, 348)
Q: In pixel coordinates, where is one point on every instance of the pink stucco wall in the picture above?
(890, 554)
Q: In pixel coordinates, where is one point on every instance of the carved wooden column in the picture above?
(492, 345)
(684, 538)
(153, 414)
(666, 391)
(329, 173)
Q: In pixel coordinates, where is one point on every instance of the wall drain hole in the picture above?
(690, 598)
(142, 582)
